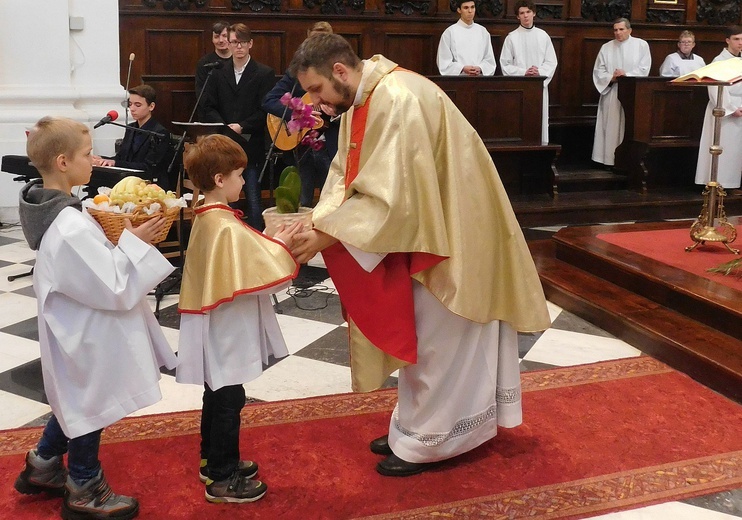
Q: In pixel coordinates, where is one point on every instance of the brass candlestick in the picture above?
(704, 229)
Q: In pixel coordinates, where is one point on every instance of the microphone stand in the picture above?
(173, 281)
(273, 140)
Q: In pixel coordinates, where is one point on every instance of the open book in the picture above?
(725, 71)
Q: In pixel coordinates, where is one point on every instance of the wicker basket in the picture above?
(113, 223)
(274, 220)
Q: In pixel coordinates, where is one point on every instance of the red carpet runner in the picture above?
(668, 246)
(596, 438)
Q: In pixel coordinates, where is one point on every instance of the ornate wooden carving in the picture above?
(256, 5)
(718, 12)
(494, 7)
(664, 16)
(606, 10)
(549, 12)
(407, 7)
(169, 5)
(335, 6)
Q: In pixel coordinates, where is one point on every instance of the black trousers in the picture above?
(220, 429)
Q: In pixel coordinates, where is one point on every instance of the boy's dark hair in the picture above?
(456, 4)
(52, 137)
(524, 3)
(212, 154)
(146, 92)
(241, 31)
(219, 26)
(731, 31)
(320, 52)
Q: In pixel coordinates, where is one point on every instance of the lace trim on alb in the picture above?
(507, 395)
(461, 427)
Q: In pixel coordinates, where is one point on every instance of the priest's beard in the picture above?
(347, 97)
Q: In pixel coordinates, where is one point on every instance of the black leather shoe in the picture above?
(393, 466)
(380, 446)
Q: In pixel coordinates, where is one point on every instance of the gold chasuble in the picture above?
(240, 260)
(417, 179)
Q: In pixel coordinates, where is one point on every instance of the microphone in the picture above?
(213, 65)
(110, 116)
(125, 103)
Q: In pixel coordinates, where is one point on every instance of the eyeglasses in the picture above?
(686, 42)
(238, 43)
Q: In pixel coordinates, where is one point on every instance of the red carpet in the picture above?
(596, 438)
(668, 247)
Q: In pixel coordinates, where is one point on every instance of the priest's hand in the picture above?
(737, 113)
(532, 71)
(309, 243)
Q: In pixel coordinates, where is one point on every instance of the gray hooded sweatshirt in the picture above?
(38, 207)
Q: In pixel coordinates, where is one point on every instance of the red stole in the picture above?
(380, 302)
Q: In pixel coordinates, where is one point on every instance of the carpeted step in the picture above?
(704, 353)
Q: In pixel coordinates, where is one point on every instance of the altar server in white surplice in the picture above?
(528, 51)
(466, 47)
(730, 161)
(622, 56)
(682, 61)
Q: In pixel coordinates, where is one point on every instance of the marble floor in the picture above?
(309, 316)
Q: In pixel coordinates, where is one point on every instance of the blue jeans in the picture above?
(82, 460)
(252, 195)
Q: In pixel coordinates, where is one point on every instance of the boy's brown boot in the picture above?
(95, 500)
(42, 475)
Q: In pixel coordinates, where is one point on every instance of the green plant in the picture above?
(288, 190)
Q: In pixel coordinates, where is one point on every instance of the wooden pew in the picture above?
(506, 113)
(663, 128)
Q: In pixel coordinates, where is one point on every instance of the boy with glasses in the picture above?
(683, 61)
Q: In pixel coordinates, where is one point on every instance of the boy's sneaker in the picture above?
(246, 468)
(236, 489)
(95, 500)
(42, 475)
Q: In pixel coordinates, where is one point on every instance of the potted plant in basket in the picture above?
(287, 210)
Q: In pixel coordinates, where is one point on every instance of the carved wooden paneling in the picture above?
(718, 12)
(412, 51)
(588, 93)
(268, 49)
(670, 123)
(606, 10)
(163, 44)
(491, 105)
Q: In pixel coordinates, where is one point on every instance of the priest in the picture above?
(422, 244)
(466, 47)
(622, 56)
(730, 161)
(528, 51)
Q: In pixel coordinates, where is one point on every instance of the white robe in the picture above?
(524, 48)
(730, 161)
(101, 346)
(229, 344)
(675, 65)
(440, 413)
(463, 44)
(633, 57)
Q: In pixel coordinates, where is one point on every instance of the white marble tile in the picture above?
(296, 377)
(17, 252)
(667, 511)
(565, 348)
(300, 332)
(551, 229)
(11, 231)
(554, 310)
(18, 410)
(176, 397)
(317, 261)
(16, 351)
(15, 308)
(14, 270)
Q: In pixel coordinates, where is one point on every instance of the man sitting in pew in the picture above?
(141, 150)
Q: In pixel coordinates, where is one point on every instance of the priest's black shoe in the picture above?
(393, 466)
(380, 446)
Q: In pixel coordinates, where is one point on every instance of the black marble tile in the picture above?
(330, 348)
(309, 276)
(528, 366)
(28, 329)
(318, 303)
(391, 382)
(729, 502)
(5, 240)
(26, 291)
(169, 317)
(272, 360)
(25, 380)
(3, 263)
(568, 321)
(526, 341)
